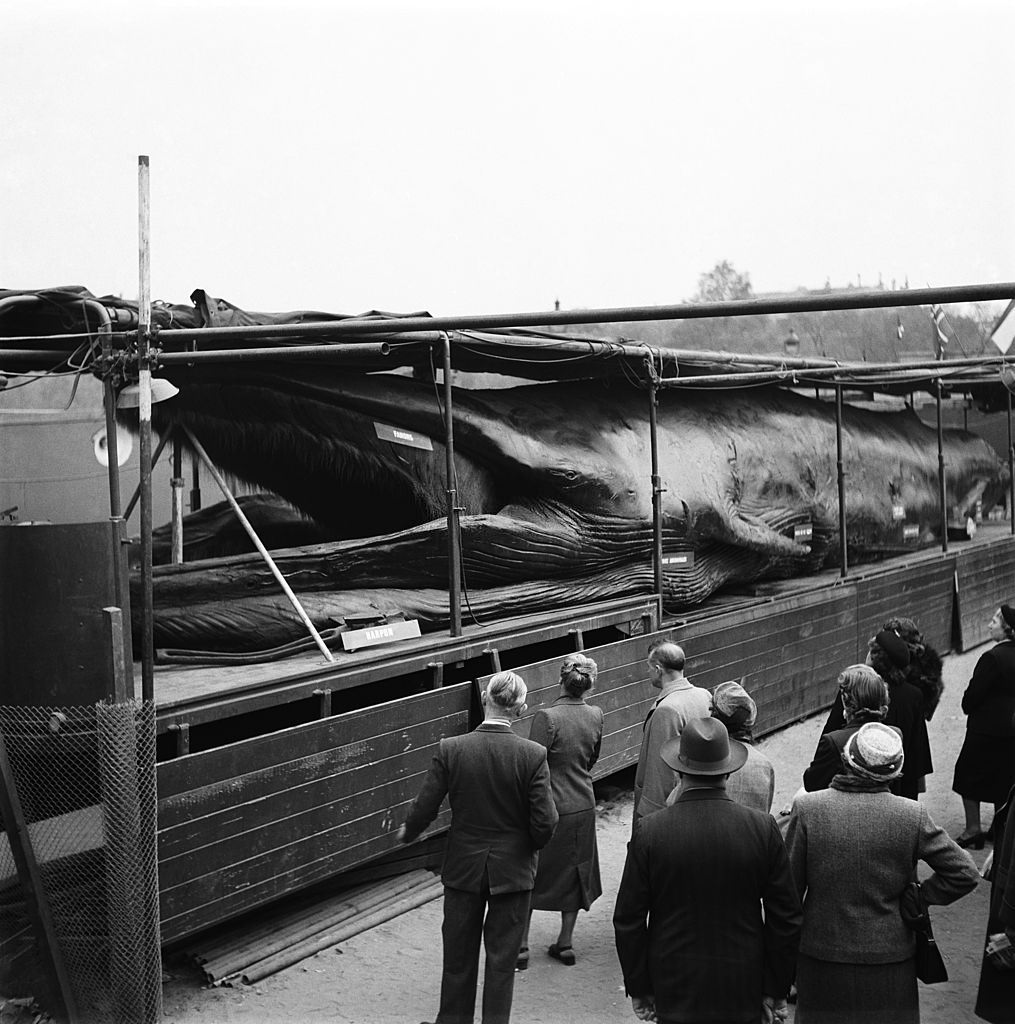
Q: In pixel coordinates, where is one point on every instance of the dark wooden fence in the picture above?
(253, 820)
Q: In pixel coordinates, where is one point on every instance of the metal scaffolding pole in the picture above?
(657, 490)
(840, 467)
(454, 533)
(1011, 470)
(145, 427)
(942, 489)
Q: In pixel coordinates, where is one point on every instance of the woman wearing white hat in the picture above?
(852, 849)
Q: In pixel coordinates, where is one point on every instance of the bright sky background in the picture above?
(497, 156)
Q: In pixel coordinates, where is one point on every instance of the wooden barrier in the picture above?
(789, 651)
(245, 824)
(984, 580)
(255, 819)
(923, 591)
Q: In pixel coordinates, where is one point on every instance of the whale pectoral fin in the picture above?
(749, 531)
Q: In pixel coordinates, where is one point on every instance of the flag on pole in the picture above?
(1004, 330)
(937, 314)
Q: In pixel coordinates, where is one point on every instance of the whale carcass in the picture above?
(555, 487)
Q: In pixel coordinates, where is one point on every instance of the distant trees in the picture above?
(723, 283)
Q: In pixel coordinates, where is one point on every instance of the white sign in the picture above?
(684, 560)
(1004, 331)
(354, 639)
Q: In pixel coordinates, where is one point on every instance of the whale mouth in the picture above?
(340, 467)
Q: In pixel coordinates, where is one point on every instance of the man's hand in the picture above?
(644, 1007)
(400, 834)
(773, 1010)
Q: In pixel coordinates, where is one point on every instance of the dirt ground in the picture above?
(392, 973)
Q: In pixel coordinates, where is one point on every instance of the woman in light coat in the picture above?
(853, 849)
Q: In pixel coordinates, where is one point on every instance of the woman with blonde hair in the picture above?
(568, 877)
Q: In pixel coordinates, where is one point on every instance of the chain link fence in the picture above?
(85, 781)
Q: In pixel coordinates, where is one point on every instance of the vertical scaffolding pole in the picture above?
(657, 490)
(177, 484)
(454, 536)
(144, 381)
(1011, 471)
(840, 468)
(195, 469)
(942, 490)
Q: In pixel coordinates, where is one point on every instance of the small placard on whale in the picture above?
(354, 639)
(898, 512)
(399, 435)
(803, 531)
(683, 561)
(910, 531)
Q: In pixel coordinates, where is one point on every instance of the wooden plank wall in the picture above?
(923, 592)
(985, 579)
(244, 824)
(249, 822)
(790, 650)
(621, 690)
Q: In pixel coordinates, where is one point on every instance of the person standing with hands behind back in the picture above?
(502, 814)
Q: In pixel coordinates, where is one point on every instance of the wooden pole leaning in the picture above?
(36, 902)
(245, 522)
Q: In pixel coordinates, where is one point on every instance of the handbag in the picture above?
(930, 964)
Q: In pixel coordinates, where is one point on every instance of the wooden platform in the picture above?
(274, 777)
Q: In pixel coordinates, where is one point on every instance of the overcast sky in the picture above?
(497, 156)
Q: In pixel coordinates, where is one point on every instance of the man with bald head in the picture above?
(678, 702)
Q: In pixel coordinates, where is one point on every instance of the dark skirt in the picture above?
(985, 768)
(568, 875)
(995, 997)
(835, 993)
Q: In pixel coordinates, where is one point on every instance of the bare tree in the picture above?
(723, 283)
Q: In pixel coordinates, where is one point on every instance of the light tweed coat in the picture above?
(852, 853)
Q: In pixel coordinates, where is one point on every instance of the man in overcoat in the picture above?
(678, 702)
(502, 813)
(707, 919)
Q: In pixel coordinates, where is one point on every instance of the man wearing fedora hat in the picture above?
(707, 919)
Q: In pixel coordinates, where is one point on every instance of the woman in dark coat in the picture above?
(995, 1000)
(852, 849)
(888, 655)
(925, 670)
(985, 769)
(568, 876)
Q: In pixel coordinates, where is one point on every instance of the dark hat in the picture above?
(895, 648)
(704, 747)
(1008, 614)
